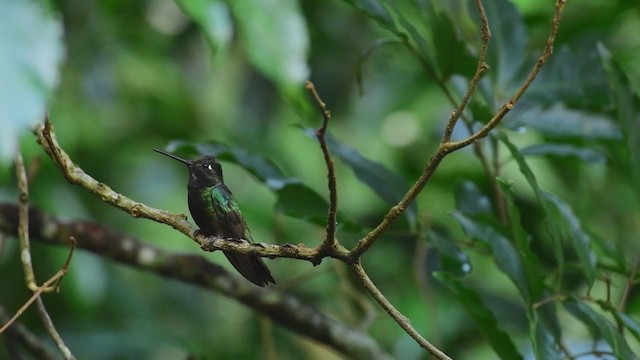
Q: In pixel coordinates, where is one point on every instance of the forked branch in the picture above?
(446, 147)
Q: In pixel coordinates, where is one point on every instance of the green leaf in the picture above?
(390, 186)
(214, 18)
(580, 240)
(522, 165)
(574, 77)
(542, 340)
(559, 121)
(507, 49)
(452, 260)
(294, 198)
(32, 50)
(600, 327)
(530, 262)
(632, 325)
(610, 249)
(627, 105)
(375, 10)
(451, 53)
(564, 150)
(470, 200)
(366, 55)
(276, 40)
(551, 227)
(485, 321)
(621, 318)
(504, 254)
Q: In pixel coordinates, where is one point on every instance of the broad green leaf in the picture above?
(31, 50)
(470, 200)
(573, 77)
(600, 327)
(522, 165)
(559, 121)
(276, 40)
(630, 323)
(544, 319)
(542, 340)
(580, 240)
(610, 249)
(551, 227)
(214, 18)
(367, 53)
(530, 262)
(375, 10)
(485, 321)
(504, 253)
(294, 198)
(621, 318)
(560, 220)
(452, 260)
(390, 186)
(627, 105)
(451, 53)
(507, 50)
(563, 150)
(409, 19)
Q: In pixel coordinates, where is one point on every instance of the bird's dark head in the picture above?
(203, 172)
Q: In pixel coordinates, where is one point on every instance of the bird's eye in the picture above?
(209, 167)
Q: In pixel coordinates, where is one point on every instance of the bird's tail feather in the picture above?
(251, 267)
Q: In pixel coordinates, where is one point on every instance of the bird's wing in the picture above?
(228, 214)
(233, 226)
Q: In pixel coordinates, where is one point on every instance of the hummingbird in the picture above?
(216, 212)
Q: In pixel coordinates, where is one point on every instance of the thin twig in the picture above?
(447, 147)
(330, 239)
(481, 68)
(629, 285)
(23, 229)
(49, 283)
(548, 50)
(402, 320)
(365, 243)
(268, 343)
(25, 256)
(549, 299)
(51, 329)
(19, 334)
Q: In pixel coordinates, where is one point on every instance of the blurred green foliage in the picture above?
(521, 266)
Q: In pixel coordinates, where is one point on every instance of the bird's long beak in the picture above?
(186, 162)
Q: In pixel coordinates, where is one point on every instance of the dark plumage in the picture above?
(216, 212)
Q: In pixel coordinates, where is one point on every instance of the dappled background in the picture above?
(212, 76)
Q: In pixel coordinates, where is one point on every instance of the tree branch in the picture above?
(394, 313)
(481, 68)
(283, 309)
(330, 239)
(25, 256)
(446, 147)
(548, 50)
(75, 175)
(21, 335)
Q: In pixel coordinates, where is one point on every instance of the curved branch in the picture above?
(75, 175)
(548, 50)
(330, 239)
(481, 68)
(283, 309)
(446, 147)
(395, 314)
(19, 334)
